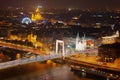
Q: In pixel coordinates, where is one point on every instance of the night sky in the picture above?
(61, 3)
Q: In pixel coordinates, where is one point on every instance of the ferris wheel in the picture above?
(26, 20)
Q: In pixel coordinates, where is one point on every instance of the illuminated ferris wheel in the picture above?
(26, 20)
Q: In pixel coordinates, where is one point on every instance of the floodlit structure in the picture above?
(57, 46)
(36, 16)
(26, 20)
(110, 39)
(32, 38)
(80, 44)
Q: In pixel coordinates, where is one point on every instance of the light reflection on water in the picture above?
(38, 71)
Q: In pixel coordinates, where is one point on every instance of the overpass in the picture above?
(21, 47)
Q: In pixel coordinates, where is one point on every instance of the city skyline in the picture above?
(47, 39)
(62, 3)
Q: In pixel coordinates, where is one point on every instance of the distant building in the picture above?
(80, 44)
(32, 38)
(36, 16)
(110, 39)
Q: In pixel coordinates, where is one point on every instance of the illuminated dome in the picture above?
(36, 16)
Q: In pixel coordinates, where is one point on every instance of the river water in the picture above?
(40, 71)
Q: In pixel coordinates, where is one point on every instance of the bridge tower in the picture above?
(62, 45)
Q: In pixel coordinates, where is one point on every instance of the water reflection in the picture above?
(39, 71)
(44, 71)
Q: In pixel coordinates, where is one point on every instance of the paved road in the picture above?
(91, 61)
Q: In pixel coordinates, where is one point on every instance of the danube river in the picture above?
(43, 71)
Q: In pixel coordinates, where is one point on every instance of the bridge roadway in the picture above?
(21, 47)
(23, 61)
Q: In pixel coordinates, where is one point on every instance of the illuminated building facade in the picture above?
(32, 38)
(36, 16)
(110, 39)
(80, 44)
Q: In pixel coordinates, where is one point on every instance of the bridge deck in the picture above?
(28, 60)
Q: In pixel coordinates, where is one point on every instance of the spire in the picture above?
(77, 41)
(38, 10)
(84, 36)
(77, 37)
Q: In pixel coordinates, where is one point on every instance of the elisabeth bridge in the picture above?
(38, 57)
